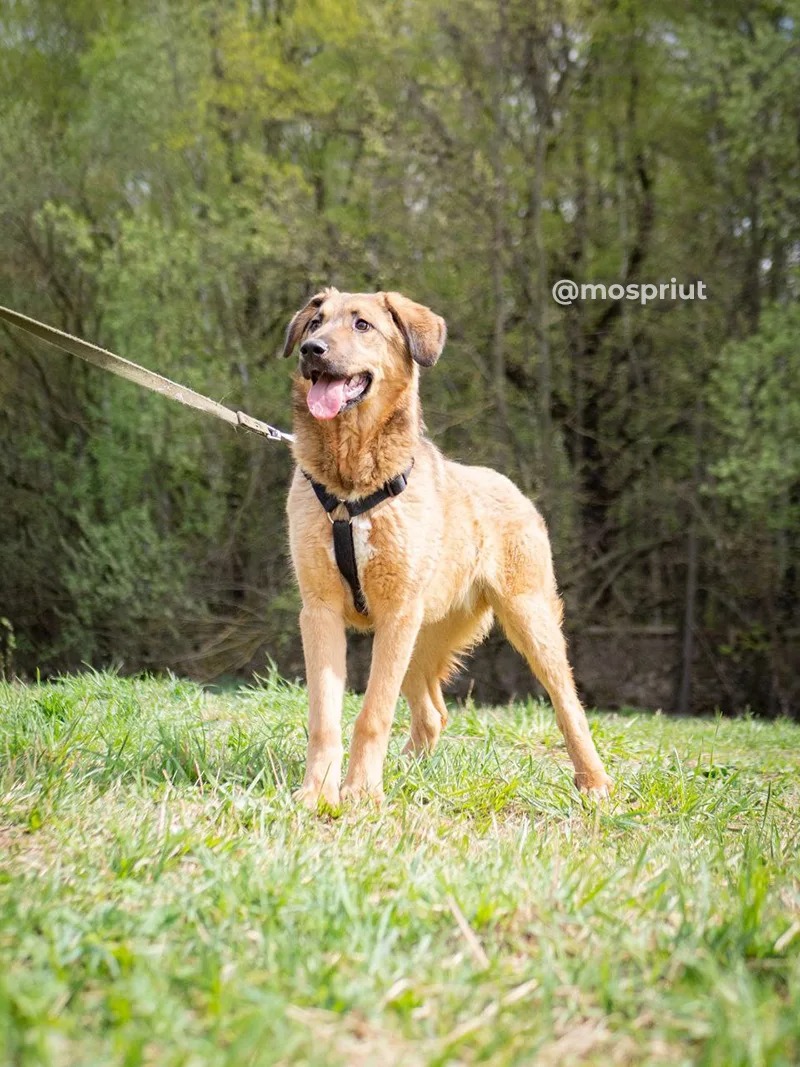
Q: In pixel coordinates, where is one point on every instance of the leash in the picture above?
(156, 383)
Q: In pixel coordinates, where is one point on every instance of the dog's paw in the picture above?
(353, 794)
(417, 747)
(595, 787)
(313, 795)
(425, 733)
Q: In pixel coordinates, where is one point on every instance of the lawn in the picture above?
(162, 901)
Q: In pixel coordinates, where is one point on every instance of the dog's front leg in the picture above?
(325, 650)
(391, 653)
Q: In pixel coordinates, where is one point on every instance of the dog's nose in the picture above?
(314, 346)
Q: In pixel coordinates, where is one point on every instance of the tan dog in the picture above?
(458, 546)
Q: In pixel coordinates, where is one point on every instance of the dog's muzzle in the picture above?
(314, 359)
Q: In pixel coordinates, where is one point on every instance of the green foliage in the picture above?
(753, 393)
(128, 589)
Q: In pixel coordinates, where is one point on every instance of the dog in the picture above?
(428, 552)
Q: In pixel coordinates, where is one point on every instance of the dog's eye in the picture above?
(315, 323)
(362, 325)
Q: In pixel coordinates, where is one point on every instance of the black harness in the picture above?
(343, 547)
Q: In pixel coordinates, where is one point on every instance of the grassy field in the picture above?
(163, 902)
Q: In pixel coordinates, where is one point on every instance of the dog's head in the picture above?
(356, 346)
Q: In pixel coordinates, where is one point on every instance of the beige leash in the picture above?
(148, 379)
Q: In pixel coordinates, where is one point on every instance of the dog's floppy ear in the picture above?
(301, 319)
(424, 332)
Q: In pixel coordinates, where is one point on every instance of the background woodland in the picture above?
(177, 177)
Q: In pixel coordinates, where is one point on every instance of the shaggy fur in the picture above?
(458, 548)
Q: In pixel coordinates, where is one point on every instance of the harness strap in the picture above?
(345, 552)
(343, 547)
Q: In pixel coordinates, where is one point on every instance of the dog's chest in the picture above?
(362, 543)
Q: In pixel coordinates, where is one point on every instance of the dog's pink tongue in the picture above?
(325, 397)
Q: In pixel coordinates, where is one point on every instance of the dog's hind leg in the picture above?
(531, 622)
(427, 720)
(435, 658)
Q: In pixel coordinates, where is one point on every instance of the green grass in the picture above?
(162, 901)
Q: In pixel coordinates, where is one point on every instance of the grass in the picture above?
(163, 902)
